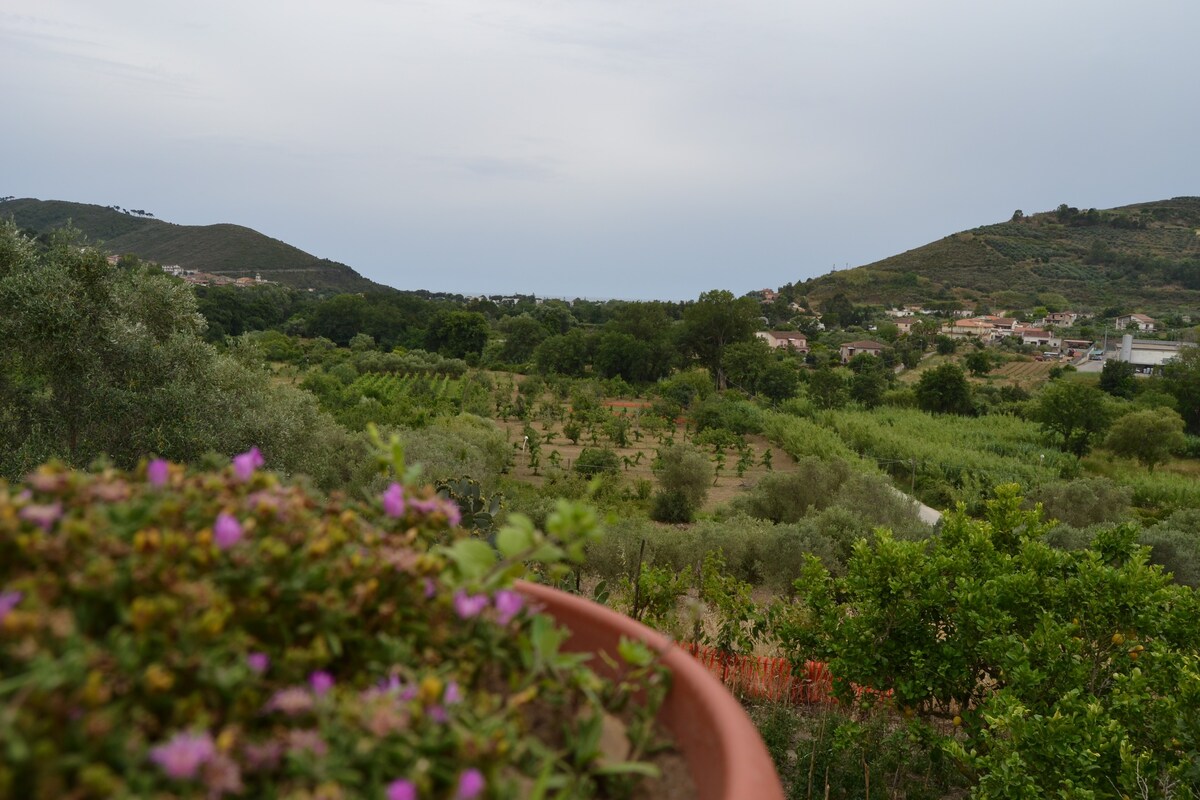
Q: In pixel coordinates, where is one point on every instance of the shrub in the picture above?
(1175, 544)
(1084, 501)
(684, 475)
(173, 634)
(595, 461)
(790, 496)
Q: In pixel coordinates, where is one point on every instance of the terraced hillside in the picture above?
(1144, 256)
(221, 249)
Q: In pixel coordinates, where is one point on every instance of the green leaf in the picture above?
(635, 653)
(515, 538)
(473, 557)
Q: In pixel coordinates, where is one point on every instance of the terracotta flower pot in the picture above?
(722, 747)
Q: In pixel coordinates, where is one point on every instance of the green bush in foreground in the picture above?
(1071, 673)
(176, 634)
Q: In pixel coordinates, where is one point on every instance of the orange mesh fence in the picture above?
(767, 678)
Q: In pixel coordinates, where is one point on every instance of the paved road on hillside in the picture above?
(928, 515)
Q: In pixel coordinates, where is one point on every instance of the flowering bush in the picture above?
(177, 634)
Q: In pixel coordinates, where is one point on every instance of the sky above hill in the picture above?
(599, 148)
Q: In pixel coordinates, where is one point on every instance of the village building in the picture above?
(962, 328)
(851, 349)
(792, 340)
(1144, 323)
(1145, 354)
(1038, 337)
(1064, 319)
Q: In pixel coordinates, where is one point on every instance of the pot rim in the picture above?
(721, 745)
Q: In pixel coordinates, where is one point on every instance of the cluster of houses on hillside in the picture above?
(1041, 334)
(198, 278)
(798, 342)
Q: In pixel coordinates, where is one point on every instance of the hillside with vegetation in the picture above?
(1043, 640)
(223, 249)
(1142, 256)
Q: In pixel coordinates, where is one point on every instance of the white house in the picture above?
(1143, 322)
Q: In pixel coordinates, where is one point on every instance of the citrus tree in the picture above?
(1069, 673)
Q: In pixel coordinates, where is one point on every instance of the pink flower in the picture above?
(44, 516)
(245, 463)
(298, 741)
(258, 662)
(8, 601)
(183, 755)
(470, 784)
(401, 790)
(158, 472)
(469, 605)
(393, 500)
(430, 588)
(227, 531)
(452, 694)
(291, 701)
(263, 756)
(452, 512)
(508, 604)
(424, 506)
(437, 714)
(321, 682)
(222, 775)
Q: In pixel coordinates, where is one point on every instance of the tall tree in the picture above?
(1075, 414)
(944, 390)
(714, 322)
(457, 334)
(1181, 375)
(1149, 436)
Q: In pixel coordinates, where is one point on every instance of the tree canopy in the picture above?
(714, 322)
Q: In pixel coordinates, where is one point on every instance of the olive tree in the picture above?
(684, 475)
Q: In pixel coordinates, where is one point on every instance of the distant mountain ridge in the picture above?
(1140, 257)
(221, 249)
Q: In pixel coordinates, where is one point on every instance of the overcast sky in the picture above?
(599, 148)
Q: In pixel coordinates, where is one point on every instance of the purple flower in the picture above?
(393, 500)
(401, 790)
(452, 694)
(469, 605)
(44, 516)
(470, 784)
(245, 463)
(508, 604)
(321, 682)
(437, 714)
(184, 754)
(158, 472)
(8, 601)
(227, 531)
(452, 512)
(258, 662)
(430, 588)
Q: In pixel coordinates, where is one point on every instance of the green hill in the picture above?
(1138, 257)
(223, 249)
